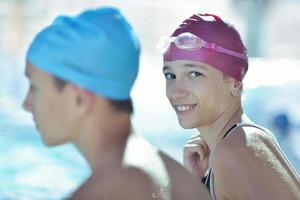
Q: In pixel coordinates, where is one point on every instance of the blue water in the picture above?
(29, 170)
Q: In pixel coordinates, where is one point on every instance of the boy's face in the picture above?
(49, 106)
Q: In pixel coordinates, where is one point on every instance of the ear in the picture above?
(236, 87)
(85, 100)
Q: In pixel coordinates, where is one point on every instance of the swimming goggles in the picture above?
(191, 42)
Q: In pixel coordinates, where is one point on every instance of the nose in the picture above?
(27, 104)
(178, 91)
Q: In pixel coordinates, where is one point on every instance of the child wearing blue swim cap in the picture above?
(81, 70)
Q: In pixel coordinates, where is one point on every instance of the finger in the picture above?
(196, 135)
(200, 142)
(191, 149)
(198, 138)
(197, 141)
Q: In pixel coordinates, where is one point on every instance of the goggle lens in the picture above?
(191, 42)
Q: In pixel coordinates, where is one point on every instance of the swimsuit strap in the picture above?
(229, 130)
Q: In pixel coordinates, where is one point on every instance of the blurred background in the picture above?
(270, 29)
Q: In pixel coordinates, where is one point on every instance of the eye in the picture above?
(32, 88)
(169, 76)
(194, 74)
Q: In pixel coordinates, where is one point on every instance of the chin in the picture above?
(186, 125)
(50, 142)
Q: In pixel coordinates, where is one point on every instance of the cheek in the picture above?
(218, 100)
(223, 94)
(42, 106)
(34, 102)
(201, 91)
(168, 91)
(207, 98)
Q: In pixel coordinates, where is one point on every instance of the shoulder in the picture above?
(170, 178)
(243, 149)
(244, 141)
(248, 162)
(183, 184)
(128, 183)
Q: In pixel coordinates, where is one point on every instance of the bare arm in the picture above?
(248, 165)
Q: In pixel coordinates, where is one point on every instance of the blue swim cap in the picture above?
(97, 50)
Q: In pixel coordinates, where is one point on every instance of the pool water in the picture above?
(29, 170)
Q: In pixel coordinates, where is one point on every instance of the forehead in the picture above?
(183, 64)
(179, 66)
(33, 72)
(29, 69)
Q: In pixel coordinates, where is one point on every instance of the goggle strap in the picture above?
(220, 49)
(230, 52)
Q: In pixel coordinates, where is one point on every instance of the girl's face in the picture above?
(196, 91)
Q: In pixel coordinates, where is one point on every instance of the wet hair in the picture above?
(117, 105)
(122, 105)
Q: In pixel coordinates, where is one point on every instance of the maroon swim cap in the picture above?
(223, 48)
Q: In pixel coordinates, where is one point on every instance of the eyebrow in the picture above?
(195, 66)
(187, 65)
(166, 68)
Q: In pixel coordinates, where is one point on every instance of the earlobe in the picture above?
(236, 93)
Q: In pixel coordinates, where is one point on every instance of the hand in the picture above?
(195, 156)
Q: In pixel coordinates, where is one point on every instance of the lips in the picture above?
(184, 108)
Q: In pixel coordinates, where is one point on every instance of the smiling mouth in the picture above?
(185, 108)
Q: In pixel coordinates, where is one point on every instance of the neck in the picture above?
(103, 143)
(213, 133)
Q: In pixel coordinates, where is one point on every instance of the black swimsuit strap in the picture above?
(229, 131)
